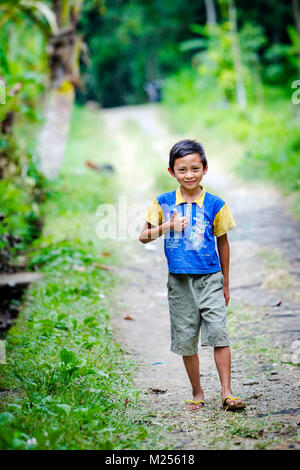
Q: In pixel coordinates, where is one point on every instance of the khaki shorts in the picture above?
(196, 301)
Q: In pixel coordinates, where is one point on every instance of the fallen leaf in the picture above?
(278, 303)
(106, 267)
(157, 390)
(93, 166)
(128, 317)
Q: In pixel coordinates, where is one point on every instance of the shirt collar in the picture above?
(180, 199)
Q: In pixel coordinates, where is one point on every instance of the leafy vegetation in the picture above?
(67, 384)
(269, 134)
(68, 380)
(22, 72)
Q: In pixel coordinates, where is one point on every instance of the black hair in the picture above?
(185, 147)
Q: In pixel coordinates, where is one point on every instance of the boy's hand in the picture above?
(178, 224)
(226, 294)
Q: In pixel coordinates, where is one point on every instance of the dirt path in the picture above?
(263, 318)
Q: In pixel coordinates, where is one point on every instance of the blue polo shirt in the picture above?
(192, 251)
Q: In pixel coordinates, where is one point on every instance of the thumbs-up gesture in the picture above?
(177, 224)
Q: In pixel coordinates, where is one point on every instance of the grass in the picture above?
(67, 384)
(243, 324)
(276, 275)
(70, 385)
(154, 164)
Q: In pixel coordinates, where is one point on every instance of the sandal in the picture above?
(239, 406)
(195, 403)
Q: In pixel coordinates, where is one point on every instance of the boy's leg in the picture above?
(214, 332)
(223, 363)
(192, 367)
(185, 326)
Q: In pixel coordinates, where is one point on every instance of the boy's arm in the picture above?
(150, 232)
(224, 255)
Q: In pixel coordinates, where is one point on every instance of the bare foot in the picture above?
(228, 401)
(196, 397)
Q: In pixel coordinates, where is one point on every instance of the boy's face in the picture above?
(188, 171)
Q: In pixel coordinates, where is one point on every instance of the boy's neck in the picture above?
(191, 195)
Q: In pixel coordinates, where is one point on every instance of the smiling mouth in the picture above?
(189, 182)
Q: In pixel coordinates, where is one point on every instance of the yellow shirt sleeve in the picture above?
(223, 221)
(155, 215)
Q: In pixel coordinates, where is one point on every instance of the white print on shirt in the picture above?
(194, 234)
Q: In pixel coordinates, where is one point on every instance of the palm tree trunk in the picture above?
(64, 51)
(296, 11)
(240, 87)
(211, 17)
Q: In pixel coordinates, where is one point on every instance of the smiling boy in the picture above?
(198, 280)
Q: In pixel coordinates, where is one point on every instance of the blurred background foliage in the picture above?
(132, 42)
(23, 72)
(234, 61)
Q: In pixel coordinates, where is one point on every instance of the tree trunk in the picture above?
(240, 87)
(296, 11)
(211, 17)
(7, 165)
(64, 51)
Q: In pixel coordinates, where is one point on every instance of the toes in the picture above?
(229, 402)
(194, 406)
(190, 406)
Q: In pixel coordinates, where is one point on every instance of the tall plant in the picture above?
(22, 72)
(217, 65)
(64, 52)
(296, 12)
(236, 54)
(211, 16)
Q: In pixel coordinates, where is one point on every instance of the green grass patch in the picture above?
(276, 275)
(243, 325)
(71, 383)
(67, 384)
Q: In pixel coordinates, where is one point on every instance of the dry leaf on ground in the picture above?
(157, 390)
(128, 317)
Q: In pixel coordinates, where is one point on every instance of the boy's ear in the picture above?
(171, 172)
(205, 171)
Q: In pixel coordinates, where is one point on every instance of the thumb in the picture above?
(174, 214)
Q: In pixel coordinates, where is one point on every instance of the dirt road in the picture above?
(262, 319)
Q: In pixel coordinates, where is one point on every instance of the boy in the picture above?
(198, 280)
